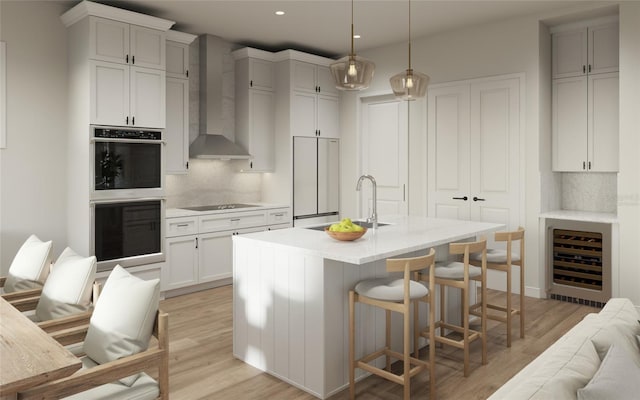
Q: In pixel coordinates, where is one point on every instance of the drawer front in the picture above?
(181, 226)
(279, 216)
(223, 222)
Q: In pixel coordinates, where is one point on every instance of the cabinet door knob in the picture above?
(584, 69)
(251, 83)
(126, 59)
(196, 243)
(460, 198)
(584, 165)
(126, 120)
(589, 67)
(187, 73)
(477, 198)
(133, 120)
(133, 59)
(589, 165)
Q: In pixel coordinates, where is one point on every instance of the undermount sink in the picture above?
(364, 224)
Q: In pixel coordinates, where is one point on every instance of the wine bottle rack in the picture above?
(577, 258)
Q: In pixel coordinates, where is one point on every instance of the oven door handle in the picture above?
(115, 140)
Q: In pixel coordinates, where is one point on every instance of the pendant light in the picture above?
(410, 84)
(352, 72)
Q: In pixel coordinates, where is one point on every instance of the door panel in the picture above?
(303, 120)
(305, 160)
(474, 151)
(495, 131)
(328, 175)
(385, 155)
(448, 152)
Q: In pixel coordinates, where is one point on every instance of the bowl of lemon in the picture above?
(345, 230)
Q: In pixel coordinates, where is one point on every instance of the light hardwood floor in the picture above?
(202, 365)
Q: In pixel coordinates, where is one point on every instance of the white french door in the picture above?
(474, 150)
(384, 153)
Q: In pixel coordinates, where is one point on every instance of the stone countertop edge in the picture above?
(587, 216)
(181, 212)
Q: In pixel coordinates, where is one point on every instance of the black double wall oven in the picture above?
(127, 196)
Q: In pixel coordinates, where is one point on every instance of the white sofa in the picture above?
(583, 363)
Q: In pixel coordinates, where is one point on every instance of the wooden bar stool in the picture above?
(395, 294)
(458, 275)
(503, 260)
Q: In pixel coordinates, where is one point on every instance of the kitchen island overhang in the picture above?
(291, 288)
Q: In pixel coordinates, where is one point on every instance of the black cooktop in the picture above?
(219, 207)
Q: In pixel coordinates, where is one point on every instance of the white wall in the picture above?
(629, 176)
(32, 167)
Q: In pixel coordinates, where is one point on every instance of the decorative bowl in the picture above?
(345, 236)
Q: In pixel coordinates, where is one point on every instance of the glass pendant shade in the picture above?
(352, 72)
(409, 85)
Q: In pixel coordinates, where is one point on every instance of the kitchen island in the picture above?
(290, 291)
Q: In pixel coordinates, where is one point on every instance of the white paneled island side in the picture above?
(290, 291)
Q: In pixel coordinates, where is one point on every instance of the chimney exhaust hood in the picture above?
(216, 96)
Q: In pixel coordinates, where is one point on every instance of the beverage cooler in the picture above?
(579, 261)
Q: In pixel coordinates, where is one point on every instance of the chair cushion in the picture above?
(144, 388)
(455, 270)
(390, 289)
(617, 378)
(68, 288)
(496, 256)
(30, 266)
(123, 318)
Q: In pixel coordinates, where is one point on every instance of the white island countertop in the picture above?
(401, 236)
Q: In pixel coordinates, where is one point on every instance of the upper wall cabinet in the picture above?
(176, 133)
(255, 107)
(123, 43)
(582, 50)
(125, 77)
(313, 78)
(585, 96)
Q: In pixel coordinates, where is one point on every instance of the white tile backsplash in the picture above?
(590, 191)
(213, 182)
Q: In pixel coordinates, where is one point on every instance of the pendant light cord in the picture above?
(353, 52)
(409, 34)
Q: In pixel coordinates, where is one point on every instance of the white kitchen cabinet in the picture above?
(313, 78)
(177, 59)
(315, 115)
(255, 107)
(181, 268)
(315, 101)
(176, 134)
(123, 43)
(199, 248)
(587, 48)
(126, 96)
(585, 123)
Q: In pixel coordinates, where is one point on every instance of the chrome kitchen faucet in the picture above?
(373, 219)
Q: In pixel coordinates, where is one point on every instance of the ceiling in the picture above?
(323, 27)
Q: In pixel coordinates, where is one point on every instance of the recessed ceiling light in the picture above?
(356, 36)
(279, 12)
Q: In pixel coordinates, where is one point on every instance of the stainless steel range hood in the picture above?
(216, 104)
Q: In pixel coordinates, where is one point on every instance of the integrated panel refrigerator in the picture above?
(316, 180)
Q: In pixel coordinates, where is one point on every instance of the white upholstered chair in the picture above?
(116, 343)
(398, 295)
(29, 268)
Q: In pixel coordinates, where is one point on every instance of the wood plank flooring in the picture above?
(202, 365)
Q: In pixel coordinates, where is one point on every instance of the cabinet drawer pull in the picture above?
(133, 59)
(126, 59)
(461, 198)
(196, 243)
(589, 165)
(235, 219)
(477, 198)
(279, 215)
(584, 165)
(182, 225)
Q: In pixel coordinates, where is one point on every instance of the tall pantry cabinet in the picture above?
(585, 96)
(116, 76)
